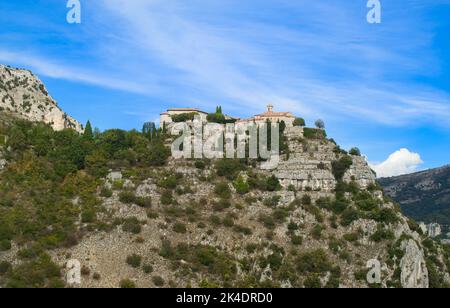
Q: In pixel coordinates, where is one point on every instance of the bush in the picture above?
(382, 235)
(145, 202)
(5, 245)
(241, 186)
(106, 193)
(184, 117)
(316, 232)
(221, 205)
(273, 184)
(147, 269)
(349, 216)
(167, 197)
(313, 262)
(296, 240)
(340, 167)
(229, 168)
(158, 281)
(134, 260)
(222, 190)
(127, 284)
(179, 228)
(132, 225)
(5, 267)
(312, 282)
(127, 197)
(299, 122)
(355, 152)
(272, 201)
(199, 164)
(313, 133)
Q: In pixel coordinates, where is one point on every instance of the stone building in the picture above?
(272, 116)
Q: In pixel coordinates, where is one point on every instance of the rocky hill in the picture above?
(23, 94)
(117, 209)
(425, 195)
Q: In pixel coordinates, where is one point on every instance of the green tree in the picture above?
(88, 133)
(299, 122)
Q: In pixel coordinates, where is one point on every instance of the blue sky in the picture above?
(381, 87)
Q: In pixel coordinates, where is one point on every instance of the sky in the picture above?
(384, 88)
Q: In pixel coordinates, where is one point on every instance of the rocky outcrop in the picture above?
(414, 272)
(24, 95)
(309, 165)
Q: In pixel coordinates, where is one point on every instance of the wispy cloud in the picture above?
(315, 58)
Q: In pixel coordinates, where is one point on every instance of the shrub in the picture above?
(386, 216)
(127, 284)
(106, 193)
(316, 232)
(96, 276)
(127, 197)
(313, 133)
(229, 168)
(228, 221)
(243, 230)
(5, 267)
(167, 197)
(179, 228)
(5, 245)
(158, 281)
(267, 221)
(382, 235)
(312, 282)
(306, 200)
(355, 152)
(349, 216)
(132, 225)
(170, 182)
(272, 201)
(313, 262)
(221, 205)
(199, 164)
(183, 117)
(273, 184)
(145, 202)
(134, 260)
(299, 122)
(296, 240)
(241, 186)
(340, 167)
(147, 269)
(222, 190)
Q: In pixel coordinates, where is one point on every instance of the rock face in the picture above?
(424, 196)
(414, 273)
(24, 95)
(308, 166)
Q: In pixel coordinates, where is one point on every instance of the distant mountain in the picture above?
(23, 95)
(424, 196)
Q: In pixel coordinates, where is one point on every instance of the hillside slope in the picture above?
(425, 195)
(131, 215)
(23, 94)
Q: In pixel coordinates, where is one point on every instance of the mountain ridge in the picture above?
(24, 95)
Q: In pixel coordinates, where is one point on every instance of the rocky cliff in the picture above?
(425, 195)
(22, 94)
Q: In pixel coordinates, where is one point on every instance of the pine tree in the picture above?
(88, 134)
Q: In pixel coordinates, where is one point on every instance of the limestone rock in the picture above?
(414, 272)
(22, 94)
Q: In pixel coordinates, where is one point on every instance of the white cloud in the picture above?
(400, 162)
